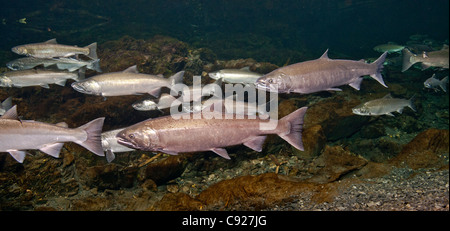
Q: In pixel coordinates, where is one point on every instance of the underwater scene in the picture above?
(192, 105)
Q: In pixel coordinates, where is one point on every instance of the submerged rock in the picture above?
(336, 117)
(334, 163)
(429, 149)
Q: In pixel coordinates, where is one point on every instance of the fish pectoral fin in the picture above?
(255, 143)
(155, 92)
(61, 83)
(221, 152)
(333, 89)
(110, 156)
(17, 155)
(62, 124)
(68, 55)
(45, 86)
(170, 152)
(400, 110)
(389, 114)
(356, 84)
(52, 149)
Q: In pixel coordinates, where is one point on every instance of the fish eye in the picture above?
(131, 136)
(270, 81)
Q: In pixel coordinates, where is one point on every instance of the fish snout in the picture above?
(19, 50)
(121, 139)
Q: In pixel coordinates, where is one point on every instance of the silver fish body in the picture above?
(51, 49)
(389, 48)
(69, 64)
(172, 136)
(383, 106)
(128, 82)
(163, 102)
(37, 77)
(434, 83)
(243, 75)
(428, 59)
(230, 105)
(322, 74)
(17, 136)
(110, 145)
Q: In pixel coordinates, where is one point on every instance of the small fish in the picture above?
(243, 75)
(127, 82)
(22, 20)
(5, 105)
(51, 49)
(19, 135)
(230, 104)
(110, 145)
(389, 48)
(322, 74)
(69, 64)
(37, 77)
(172, 136)
(434, 83)
(163, 102)
(383, 106)
(428, 59)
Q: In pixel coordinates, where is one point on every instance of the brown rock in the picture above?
(429, 149)
(254, 192)
(336, 117)
(167, 169)
(334, 163)
(177, 202)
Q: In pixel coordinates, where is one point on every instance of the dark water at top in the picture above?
(265, 30)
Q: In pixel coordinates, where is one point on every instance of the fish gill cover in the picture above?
(399, 146)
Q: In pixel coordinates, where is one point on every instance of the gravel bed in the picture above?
(401, 190)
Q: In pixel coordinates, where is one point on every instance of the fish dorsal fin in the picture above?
(51, 41)
(434, 76)
(62, 124)
(247, 68)
(388, 96)
(132, 69)
(11, 114)
(325, 55)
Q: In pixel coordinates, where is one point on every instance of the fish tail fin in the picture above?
(81, 74)
(411, 103)
(93, 142)
(177, 78)
(295, 120)
(443, 84)
(92, 51)
(378, 64)
(96, 65)
(407, 55)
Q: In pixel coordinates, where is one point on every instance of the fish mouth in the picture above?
(261, 85)
(125, 142)
(78, 87)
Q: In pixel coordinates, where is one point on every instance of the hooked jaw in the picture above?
(85, 87)
(121, 139)
(267, 84)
